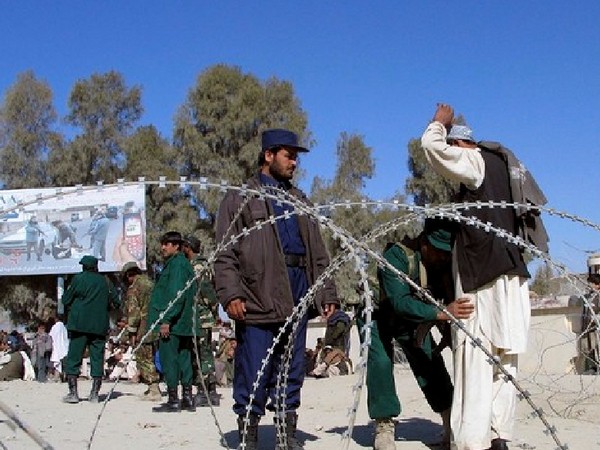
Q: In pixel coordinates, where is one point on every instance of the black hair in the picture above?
(173, 237)
(594, 278)
(193, 243)
(261, 157)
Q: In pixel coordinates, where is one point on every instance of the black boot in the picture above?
(96, 383)
(213, 395)
(72, 396)
(187, 399)
(286, 432)
(202, 399)
(172, 404)
(251, 440)
(499, 444)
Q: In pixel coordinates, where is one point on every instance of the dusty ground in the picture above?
(571, 404)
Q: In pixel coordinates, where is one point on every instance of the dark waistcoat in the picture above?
(482, 255)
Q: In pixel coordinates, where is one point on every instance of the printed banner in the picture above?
(47, 231)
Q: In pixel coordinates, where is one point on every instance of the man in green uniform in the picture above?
(206, 305)
(137, 299)
(175, 325)
(401, 316)
(87, 301)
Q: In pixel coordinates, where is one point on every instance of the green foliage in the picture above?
(167, 208)
(217, 130)
(105, 109)
(355, 165)
(542, 283)
(29, 300)
(27, 116)
(424, 184)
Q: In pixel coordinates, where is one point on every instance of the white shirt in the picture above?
(60, 341)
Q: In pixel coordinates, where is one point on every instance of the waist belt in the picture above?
(295, 260)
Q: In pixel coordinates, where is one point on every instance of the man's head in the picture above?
(435, 243)
(279, 154)
(594, 280)
(190, 246)
(170, 243)
(89, 263)
(329, 308)
(461, 136)
(129, 271)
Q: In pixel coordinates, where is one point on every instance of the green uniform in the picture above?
(206, 303)
(87, 301)
(175, 356)
(137, 302)
(398, 316)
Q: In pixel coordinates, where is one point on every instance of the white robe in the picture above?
(60, 344)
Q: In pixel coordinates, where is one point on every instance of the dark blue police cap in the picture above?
(278, 137)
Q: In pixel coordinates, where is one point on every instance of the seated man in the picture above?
(333, 359)
(14, 364)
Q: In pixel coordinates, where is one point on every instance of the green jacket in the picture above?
(87, 301)
(398, 297)
(173, 278)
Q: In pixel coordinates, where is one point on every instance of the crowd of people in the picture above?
(260, 277)
(34, 356)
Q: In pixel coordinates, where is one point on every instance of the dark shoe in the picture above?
(172, 404)
(213, 395)
(96, 383)
(286, 432)
(499, 444)
(187, 399)
(202, 400)
(72, 396)
(251, 438)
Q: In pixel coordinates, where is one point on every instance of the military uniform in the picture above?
(174, 350)
(205, 311)
(137, 301)
(398, 317)
(87, 301)
(205, 304)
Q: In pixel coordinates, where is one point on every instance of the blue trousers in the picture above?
(253, 342)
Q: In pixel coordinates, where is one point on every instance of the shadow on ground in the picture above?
(266, 437)
(413, 429)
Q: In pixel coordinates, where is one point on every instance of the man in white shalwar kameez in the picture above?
(490, 272)
(60, 344)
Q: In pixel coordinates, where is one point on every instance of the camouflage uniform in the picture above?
(206, 307)
(206, 304)
(137, 300)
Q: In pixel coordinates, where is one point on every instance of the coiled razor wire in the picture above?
(355, 249)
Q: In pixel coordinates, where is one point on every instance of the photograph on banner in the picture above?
(47, 231)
